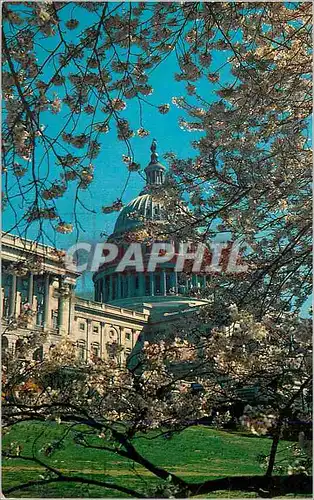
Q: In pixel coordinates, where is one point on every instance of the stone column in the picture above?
(102, 294)
(204, 281)
(119, 294)
(101, 339)
(122, 344)
(129, 278)
(163, 282)
(176, 282)
(132, 338)
(12, 296)
(35, 308)
(116, 286)
(2, 303)
(30, 292)
(47, 301)
(64, 293)
(88, 349)
(18, 304)
(152, 283)
(141, 290)
(71, 306)
(60, 305)
(110, 287)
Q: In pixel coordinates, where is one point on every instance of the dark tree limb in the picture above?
(263, 485)
(74, 479)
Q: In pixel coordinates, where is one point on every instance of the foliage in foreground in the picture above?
(195, 454)
(115, 404)
(251, 175)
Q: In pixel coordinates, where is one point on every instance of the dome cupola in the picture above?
(143, 207)
(154, 171)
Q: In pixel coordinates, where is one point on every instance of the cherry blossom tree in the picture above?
(115, 404)
(51, 59)
(249, 179)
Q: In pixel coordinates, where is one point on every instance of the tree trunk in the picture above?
(273, 450)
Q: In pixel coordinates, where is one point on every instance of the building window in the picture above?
(95, 329)
(95, 351)
(22, 287)
(128, 336)
(38, 354)
(4, 345)
(54, 317)
(81, 350)
(82, 326)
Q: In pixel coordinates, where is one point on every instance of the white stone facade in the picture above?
(38, 295)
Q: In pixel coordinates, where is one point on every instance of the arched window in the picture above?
(95, 350)
(38, 354)
(4, 344)
(81, 350)
(18, 347)
(113, 334)
(157, 212)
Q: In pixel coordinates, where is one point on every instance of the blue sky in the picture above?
(110, 172)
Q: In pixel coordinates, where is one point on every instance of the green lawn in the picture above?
(196, 454)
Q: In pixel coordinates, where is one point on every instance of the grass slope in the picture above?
(196, 454)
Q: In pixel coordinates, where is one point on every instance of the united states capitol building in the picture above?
(38, 291)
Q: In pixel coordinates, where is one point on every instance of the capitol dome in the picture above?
(130, 288)
(135, 213)
(143, 207)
